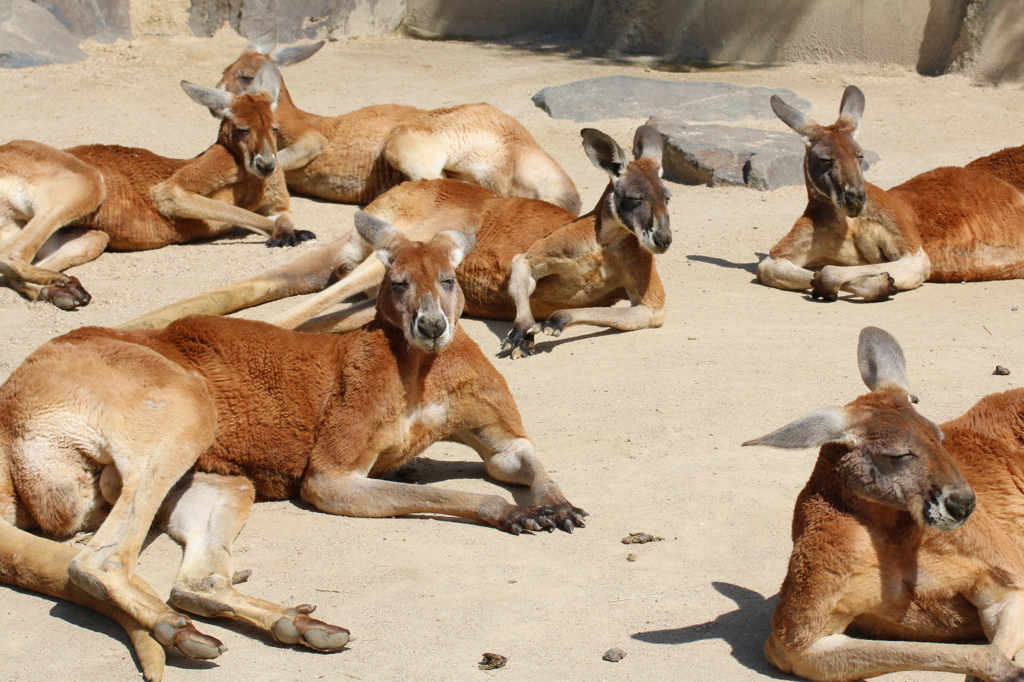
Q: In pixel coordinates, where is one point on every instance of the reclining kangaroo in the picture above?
(532, 259)
(355, 157)
(947, 225)
(100, 416)
(131, 199)
(907, 534)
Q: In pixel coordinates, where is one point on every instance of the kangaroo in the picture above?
(532, 259)
(322, 417)
(59, 209)
(907, 545)
(945, 225)
(355, 157)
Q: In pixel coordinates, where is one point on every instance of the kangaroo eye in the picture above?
(448, 283)
(245, 79)
(631, 202)
(399, 287)
(905, 457)
(243, 131)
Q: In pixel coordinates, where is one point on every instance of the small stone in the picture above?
(631, 557)
(614, 655)
(640, 539)
(1013, 309)
(493, 662)
(1001, 371)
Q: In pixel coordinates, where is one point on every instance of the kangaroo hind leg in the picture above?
(205, 512)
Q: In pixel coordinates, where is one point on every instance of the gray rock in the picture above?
(717, 155)
(102, 20)
(614, 655)
(597, 99)
(297, 19)
(31, 36)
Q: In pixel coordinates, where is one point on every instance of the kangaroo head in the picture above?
(884, 451)
(637, 198)
(832, 164)
(240, 76)
(420, 294)
(247, 125)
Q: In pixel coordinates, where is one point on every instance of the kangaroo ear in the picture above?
(604, 152)
(881, 360)
(852, 106)
(794, 118)
(283, 56)
(268, 80)
(262, 44)
(381, 235)
(648, 143)
(458, 244)
(217, 101)
(830, 425)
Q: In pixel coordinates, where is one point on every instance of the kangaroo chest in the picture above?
(914, 595)
(854, 241)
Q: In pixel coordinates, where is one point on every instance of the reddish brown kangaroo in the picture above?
(244, 409)
(946, 225)
(106, 196)
(532, 259)
(355, 157)
(907, 540)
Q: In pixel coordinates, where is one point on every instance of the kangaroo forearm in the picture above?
(783, 274)
(838, 658)
(302, 152)
(625, 319)
(341, 321)
(367, 275)
(521, 285)
(188, 205)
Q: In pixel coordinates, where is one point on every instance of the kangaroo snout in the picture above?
(960, 505)
(432, 326)
(265, 164)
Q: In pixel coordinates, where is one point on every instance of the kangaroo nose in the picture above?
(431, 326)
(961, 504)
(265, 164)
(662, 239)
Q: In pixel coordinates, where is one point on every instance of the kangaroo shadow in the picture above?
(744, 629)
(543, 343)
(722, 263)
(87, 619)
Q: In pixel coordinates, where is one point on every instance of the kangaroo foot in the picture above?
(873, 287)
(298, 628)
(568, 517)
(825, 287)
(182, 634)
(520, 342)
(554, 325)
(66, 295)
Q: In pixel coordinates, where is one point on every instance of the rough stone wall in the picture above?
(983, 39)
(298, 19)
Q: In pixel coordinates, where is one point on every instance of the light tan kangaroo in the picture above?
(355, 157)
(947, 225)
(59, 209)
(532, 260)
(908, 543)
(242, 409)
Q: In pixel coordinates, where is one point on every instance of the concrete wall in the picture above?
(982, 38)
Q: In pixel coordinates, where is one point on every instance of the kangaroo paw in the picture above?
(189, 641)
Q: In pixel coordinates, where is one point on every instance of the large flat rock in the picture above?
(31, 36)
(102, 20)
(720, 155)
(298, 19)
(597, 99)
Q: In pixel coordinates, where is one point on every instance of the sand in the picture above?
(642, 429)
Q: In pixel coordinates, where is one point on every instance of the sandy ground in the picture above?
(642, 429)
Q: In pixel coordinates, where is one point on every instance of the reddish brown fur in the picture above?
(582, 266)
(355, 157)
(946, 225)
(132, 199)
(233, 407)
(872, 569)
